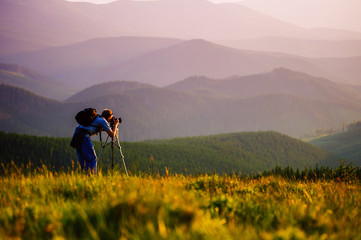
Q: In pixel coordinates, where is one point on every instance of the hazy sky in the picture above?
(344, 14)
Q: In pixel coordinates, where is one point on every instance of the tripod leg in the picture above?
(121, 154)
(106, 143)
(103, 146)
(112, 153)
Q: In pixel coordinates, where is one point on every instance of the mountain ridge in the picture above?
(299, 47)
(199, 57)
(161, 62)
(280, 80)
(151, 112)
(19, 76)
(82, 21)
(107, 88)
(79, 61)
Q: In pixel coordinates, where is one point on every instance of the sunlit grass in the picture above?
(73, 205)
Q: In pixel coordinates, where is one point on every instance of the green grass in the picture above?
(72, 205)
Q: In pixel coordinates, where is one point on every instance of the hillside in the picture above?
(278, 81)
(161, 62)
(9, 46)
(199, 57)
(76, 63)
(229, 153)
(25, 112)
(150, 112)
(300, 47)
(106, 89)
(19, 76)
(346, 145)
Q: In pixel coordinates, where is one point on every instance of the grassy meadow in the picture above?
(72, 205)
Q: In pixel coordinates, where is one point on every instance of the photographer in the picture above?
(84, 146)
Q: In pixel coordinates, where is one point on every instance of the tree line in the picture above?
(241, 153)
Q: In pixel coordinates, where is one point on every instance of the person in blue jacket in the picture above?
(84, 146)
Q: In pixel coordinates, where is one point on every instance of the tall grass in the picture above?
(73, 205)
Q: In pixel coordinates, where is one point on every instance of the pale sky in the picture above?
(343, 14)
(108, 1)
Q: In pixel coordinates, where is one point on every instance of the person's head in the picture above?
(107, 114)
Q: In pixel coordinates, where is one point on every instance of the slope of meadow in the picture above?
(111, 206)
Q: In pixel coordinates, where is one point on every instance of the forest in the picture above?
(241, 153)
(346, 144)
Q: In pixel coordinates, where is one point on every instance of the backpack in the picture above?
(86, 117)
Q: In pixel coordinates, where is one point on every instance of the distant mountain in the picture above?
(162, 62)
(187, 19)
(150, 112)
(48, 22)
(200, 57)
(245, 153)
(16, 75)
(299, 47)
(278, 81)
(24, 112)
(106, 89)
(77, 62)
(345, 145)
(9, 46)
(58, 22)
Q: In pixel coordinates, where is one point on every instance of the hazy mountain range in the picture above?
(165, 61)
(300, 104)
(172, 68)
(81, 44)
(19, 76)
(301, 47)
(57, 22)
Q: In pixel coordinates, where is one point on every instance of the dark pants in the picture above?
(87, 156)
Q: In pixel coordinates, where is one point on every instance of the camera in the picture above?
(113, 120)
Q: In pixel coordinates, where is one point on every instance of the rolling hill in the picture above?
(9, 46)
(76, 63)
(162, 62)
(106, 89)
(150, 112)
(278, 81)
(246, 153)
(19, 76)
(345, 145)
(300, 47)
(200, 57)
(24, 112)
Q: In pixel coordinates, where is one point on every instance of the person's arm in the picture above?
(112, 132)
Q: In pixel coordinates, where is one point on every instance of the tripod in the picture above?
(113, 143)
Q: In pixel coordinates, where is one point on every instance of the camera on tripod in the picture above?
(113, 120)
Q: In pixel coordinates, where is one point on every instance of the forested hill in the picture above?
(227, 153)
(346, 145)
